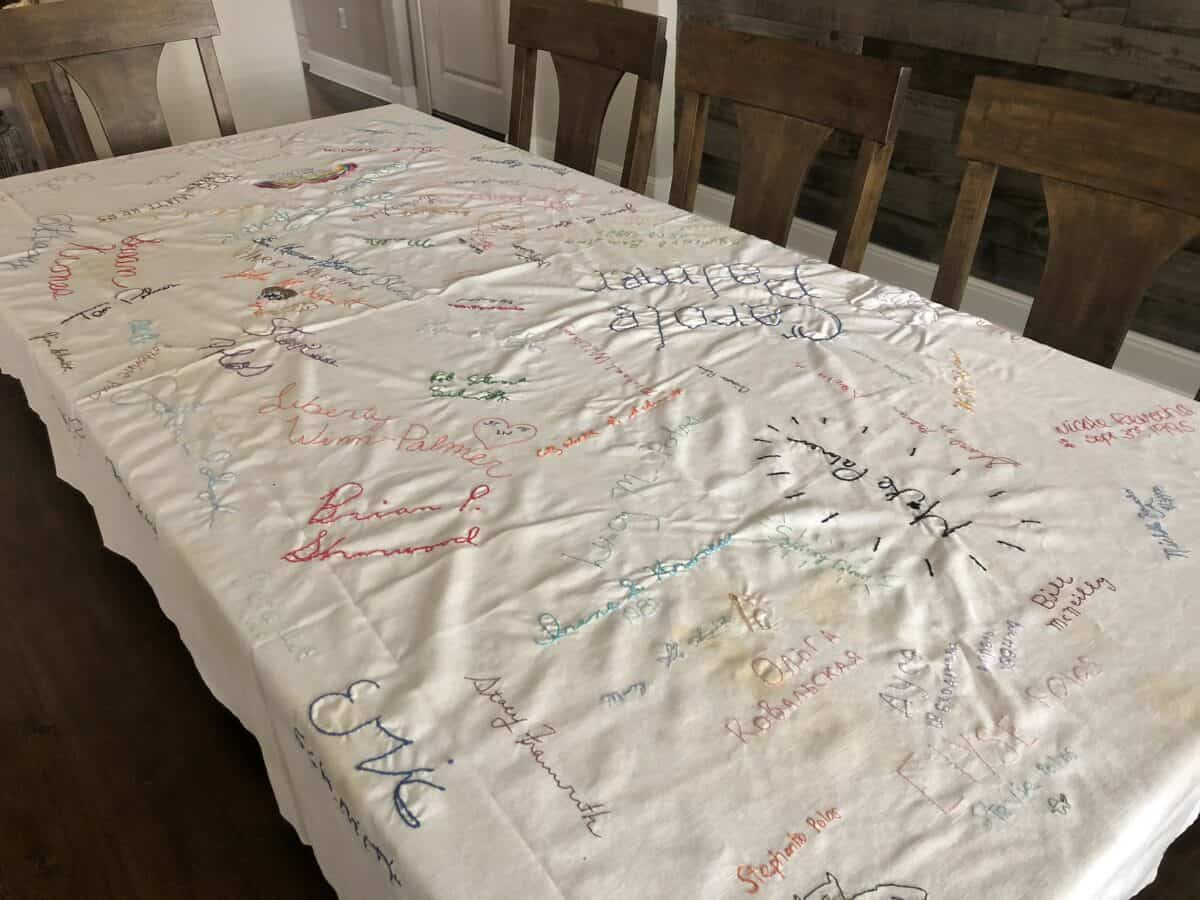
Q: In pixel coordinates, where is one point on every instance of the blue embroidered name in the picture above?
(378, 764)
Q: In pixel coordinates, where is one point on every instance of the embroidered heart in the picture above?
(495, 432)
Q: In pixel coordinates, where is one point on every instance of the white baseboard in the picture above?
(1142, 357)
(544, 147)
(376, 84)
(658, 188)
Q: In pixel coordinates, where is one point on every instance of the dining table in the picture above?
(557, 543)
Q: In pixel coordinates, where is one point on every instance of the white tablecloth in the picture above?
(555, 543)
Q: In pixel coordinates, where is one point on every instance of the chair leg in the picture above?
(959, 253)
(689, 146)
(524, 81)
(870, 172)
(66, 107)
(639, 150)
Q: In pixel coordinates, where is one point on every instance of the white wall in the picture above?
(387, 70)
(260, 61)
(620, 112)
(300, 18)
(362, 42)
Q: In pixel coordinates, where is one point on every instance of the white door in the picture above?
(470, 60)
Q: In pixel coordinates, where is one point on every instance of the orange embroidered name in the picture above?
(567, 444)
(646, 406)
(777, 860)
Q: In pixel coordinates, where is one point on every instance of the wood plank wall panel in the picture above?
(1142, 50)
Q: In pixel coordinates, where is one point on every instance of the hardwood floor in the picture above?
(1179, 875)
(121, 778)
(328, 98)
(470, 126)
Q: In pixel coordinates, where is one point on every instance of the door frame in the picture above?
(420, 53)
(416, 31)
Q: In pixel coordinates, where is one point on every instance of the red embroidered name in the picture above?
(333, 509)
(317, 549)
(59, 281)
(127, 257)
(331, 504)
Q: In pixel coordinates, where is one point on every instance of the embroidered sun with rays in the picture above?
(821, 479)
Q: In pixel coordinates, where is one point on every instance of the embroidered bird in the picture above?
(311, 178)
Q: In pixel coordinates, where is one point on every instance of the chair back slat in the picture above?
(112, 49)
(1132, 149)
(62, 30)
(789, 98)
(1105, 249)
(217, 92)
(1122, 195)
(592, 46)
(776, 152)
(583, 88)
(51, 83)
(123, 86)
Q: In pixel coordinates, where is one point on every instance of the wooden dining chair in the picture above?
(111, 48)
(1122, 185)
(592, 45)
(789, 98)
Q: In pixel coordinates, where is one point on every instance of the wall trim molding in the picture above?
(376, 84)
(658, 188)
